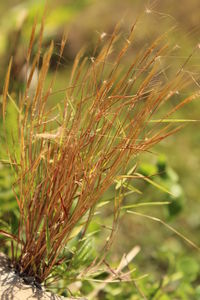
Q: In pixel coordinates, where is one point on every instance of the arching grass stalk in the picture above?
(70, 154)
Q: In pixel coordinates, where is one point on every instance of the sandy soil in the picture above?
(12, 286)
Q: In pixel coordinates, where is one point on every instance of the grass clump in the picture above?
(66, 156)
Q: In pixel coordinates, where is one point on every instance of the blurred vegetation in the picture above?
(166, 267)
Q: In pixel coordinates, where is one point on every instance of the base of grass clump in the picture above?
(12, 286)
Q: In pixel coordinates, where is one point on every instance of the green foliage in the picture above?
(171, 180)
(78, 255)
(9, 212)
(189, 268)
(165, 176)
(8, 140)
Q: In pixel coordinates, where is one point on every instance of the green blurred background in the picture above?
(171, 265)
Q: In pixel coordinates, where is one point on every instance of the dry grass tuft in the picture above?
(71, 154)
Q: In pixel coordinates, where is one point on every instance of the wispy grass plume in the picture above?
(70, 154)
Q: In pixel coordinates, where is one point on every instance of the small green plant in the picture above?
(66, 156)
